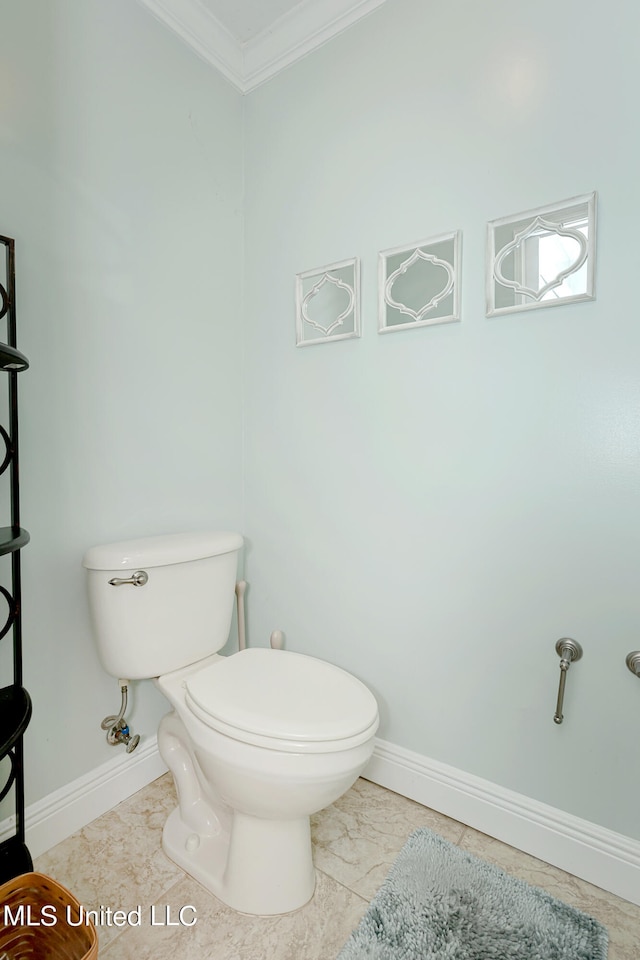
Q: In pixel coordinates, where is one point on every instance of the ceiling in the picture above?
(250, 41)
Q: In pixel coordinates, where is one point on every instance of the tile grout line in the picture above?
(342, 885)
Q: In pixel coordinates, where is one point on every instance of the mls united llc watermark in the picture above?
(49, 914)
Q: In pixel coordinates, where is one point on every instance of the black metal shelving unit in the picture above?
(15, 702)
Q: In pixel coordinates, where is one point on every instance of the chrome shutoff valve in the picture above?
(120, 733)
(117, 727)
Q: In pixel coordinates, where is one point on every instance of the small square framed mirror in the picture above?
(328, 303)
(542, 257)
(419, 284)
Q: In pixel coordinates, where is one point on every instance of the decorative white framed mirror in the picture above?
(328, 303)
(419, 284)
(542, 257)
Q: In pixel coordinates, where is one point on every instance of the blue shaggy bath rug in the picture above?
(441, 903)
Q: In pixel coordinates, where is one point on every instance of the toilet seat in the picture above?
(283, 701)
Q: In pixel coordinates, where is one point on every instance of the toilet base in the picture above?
(261, 867)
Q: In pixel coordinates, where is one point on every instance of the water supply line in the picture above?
(117, 727)
(276, 640)
(241, 586)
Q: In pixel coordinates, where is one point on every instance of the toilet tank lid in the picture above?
(161, 551)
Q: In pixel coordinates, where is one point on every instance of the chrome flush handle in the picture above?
(138, 579)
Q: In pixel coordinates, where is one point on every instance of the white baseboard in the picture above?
(607, 859)
(604, 858)
(63, 812)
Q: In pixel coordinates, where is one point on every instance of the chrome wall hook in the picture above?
(569, 651)
(633, 662)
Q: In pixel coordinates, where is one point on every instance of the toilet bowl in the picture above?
(256, 741)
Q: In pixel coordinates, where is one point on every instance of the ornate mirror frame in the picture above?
(542, 257)
(438, 301)
(328, 303)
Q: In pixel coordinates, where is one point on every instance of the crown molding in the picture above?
(247, 65)
(297, 33)
(206, 36)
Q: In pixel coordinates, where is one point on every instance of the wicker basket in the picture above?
(33, 899)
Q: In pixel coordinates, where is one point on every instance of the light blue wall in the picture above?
(121, 183)
(433, 508)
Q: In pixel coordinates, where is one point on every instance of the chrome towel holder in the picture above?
(569, 652)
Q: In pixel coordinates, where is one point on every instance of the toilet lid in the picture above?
(282, 695)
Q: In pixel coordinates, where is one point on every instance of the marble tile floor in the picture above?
(117, 862)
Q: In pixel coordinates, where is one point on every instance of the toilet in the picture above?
(256, 741)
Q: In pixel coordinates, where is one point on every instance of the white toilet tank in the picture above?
(180, 615)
